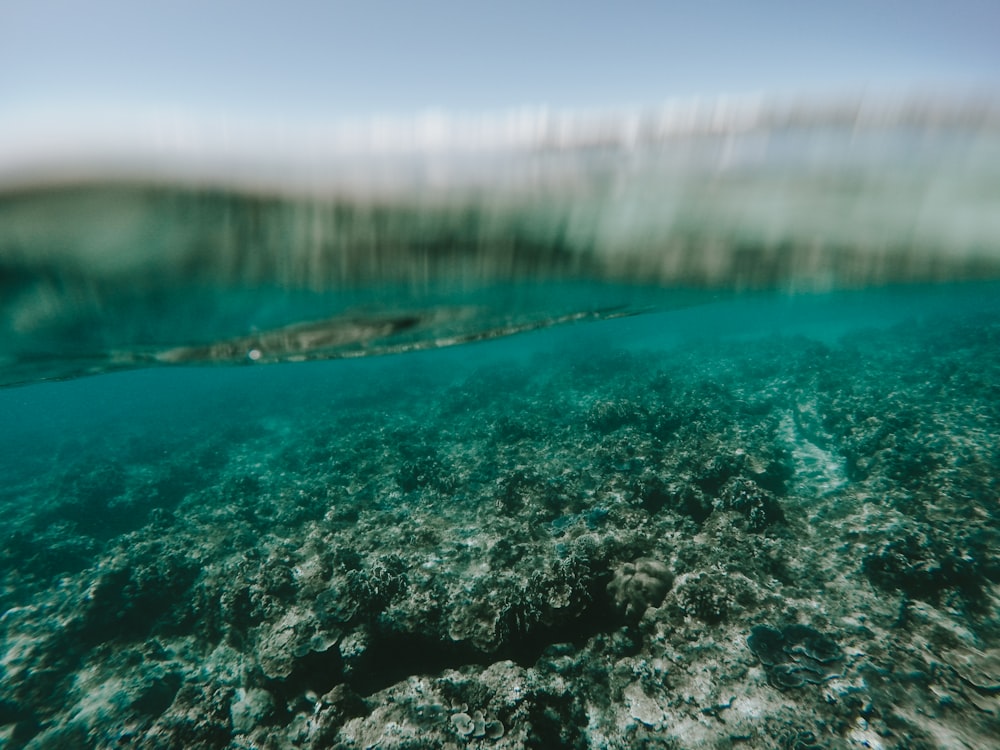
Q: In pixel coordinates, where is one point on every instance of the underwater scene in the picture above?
(668, 432)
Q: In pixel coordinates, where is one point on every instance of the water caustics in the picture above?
(180, 242)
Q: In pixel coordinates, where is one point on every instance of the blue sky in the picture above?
(375, 57)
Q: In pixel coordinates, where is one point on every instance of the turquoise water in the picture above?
(392, 549)
(285, 472)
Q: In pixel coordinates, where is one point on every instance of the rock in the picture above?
(249, 708)
(795, 655)
(638, 585)
(642, 708)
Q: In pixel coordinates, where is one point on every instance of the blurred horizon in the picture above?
(117, 88)
(438, 147)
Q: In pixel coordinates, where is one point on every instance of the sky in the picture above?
(309, 60)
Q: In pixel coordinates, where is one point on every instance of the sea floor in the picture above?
(578, 538)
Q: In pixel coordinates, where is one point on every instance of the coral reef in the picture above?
(573, 547)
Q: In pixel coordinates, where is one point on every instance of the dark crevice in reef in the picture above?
(318, 671)
(924, 568)
(598, 617)
(24, 721)
(391, 657)
(395, 657)
(556, 721)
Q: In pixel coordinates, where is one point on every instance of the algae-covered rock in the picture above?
(249, 708)
(704, 597)
(755, 504)
(638, 585)
(373, 587)
(795, 655)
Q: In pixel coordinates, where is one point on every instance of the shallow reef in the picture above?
(751, 543)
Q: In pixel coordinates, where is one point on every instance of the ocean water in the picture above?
(634, 437)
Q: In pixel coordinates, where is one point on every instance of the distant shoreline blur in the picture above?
(433, 148)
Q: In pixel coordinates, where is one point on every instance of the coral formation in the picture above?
(574, 548)
(795, 655)
(703, 598)
(640, 584)
(755, 504)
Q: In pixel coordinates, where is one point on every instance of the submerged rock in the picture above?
(704, 597)
(795, 655)
(755, 504)
(638, 585)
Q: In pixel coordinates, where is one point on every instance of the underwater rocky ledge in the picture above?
(748, 543)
